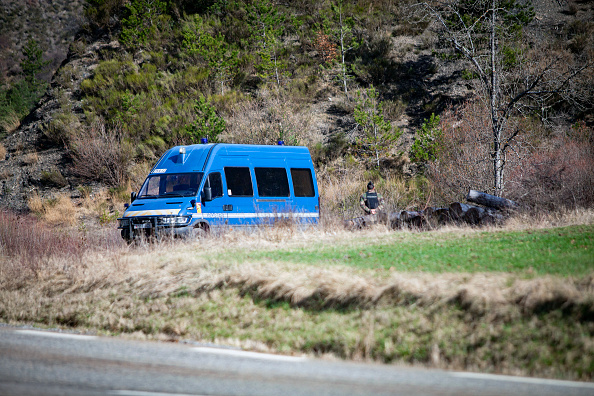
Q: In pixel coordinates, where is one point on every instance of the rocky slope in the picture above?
(53, 24)
(34, 164)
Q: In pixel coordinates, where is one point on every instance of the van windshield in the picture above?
(171, 185)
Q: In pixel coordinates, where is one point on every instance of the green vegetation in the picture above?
(565, 251)
(189, 63)
(207, 124)
(17, 100)
(426, 145)
(378, 134)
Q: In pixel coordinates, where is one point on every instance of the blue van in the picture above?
(195, 188)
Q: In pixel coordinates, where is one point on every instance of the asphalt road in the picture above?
(36, 362)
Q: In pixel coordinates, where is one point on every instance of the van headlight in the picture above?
(124, 223)
(177, 220)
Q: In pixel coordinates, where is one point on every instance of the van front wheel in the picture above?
(126, 236)
(201, 230)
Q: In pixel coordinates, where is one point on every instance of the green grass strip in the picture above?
(566, 251)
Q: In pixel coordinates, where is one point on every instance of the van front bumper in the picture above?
(179, 226)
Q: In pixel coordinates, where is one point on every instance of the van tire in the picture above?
(126, 236)
(201, 230)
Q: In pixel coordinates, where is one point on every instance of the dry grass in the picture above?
(10, 122)
(249, 123)
(559, 218)
(30, 158)
(5, 174)
(2, 152)
(342, 182)
(55, 211)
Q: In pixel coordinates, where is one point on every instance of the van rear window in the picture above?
(302, 182)
(272, 182)
(239, 181)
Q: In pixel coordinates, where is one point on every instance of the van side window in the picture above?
(239, 181)
(272, 182)
(216, 184)
(302, 182)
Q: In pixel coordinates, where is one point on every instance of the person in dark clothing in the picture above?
(371, 201)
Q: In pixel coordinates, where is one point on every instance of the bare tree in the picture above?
(514, 79)
(347, 40)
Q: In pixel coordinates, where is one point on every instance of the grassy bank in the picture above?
(560, 251)
(344, 296)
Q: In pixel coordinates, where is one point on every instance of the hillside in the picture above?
(126, 91)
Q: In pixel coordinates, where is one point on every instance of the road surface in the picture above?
(34, 362)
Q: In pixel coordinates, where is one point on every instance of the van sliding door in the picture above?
(240, 210)
(274, 197)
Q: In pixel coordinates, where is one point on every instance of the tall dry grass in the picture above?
(55, 211)
(30, 248)
(341, 183)
(270, 118)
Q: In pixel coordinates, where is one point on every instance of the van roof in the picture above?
(196, 156)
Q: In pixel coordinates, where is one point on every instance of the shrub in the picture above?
(463, 162)
(208, 124)
(102, 154)
(268, 119)
(53, 179)
(426, 145)
(66, 75)
(561, 175)
(31, 158)
(62, 127)
(543, 171)
(342, 181)
(141, 22)
(100, 13)
(9, 121)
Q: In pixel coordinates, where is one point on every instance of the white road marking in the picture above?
(527, 380)
(123, 392)
(247, 354)
(55, 335)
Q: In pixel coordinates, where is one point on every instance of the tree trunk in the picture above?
(438, 215)
(457, 210)
(490, 201)
(412, 218)
(494, 99)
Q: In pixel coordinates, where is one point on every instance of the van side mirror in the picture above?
(132, 196)
(207, 194)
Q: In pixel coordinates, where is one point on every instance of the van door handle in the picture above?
(227, 208)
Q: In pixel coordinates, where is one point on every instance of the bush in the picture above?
(53, 179)
(268, 119)
(426, 145)
(62, 128)
(464, 159)
(543, 170)
(100, 13)
(102, 155)
(558, 176)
